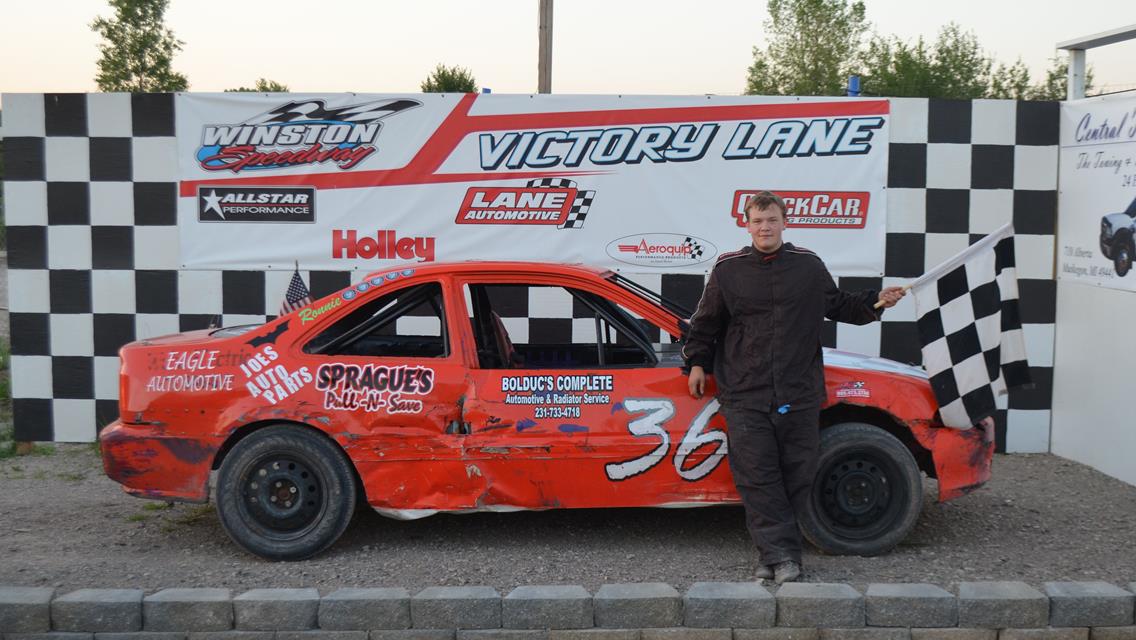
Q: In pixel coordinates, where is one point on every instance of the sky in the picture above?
(599, 46)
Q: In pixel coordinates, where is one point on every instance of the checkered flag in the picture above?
(694, 246)
(297, 294)
(580, 204)
(971, 329)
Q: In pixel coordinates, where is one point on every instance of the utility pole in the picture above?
(544, 62)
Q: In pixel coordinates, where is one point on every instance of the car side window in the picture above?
(407, 323)
(550, 327)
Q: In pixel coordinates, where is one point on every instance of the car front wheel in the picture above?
(285, 492)
(1122, 258)
(867, 495)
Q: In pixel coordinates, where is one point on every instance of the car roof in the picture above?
(496, 266)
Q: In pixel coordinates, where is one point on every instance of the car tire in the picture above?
(285, 492)
(1122, 258)
(867, 495)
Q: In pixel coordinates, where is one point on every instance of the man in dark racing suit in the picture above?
(759, 322)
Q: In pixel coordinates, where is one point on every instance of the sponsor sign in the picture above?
(374, 388)
(813, 209)
(854, 389)
(662, 250)
(382, 244)
(256, 204)
(297, 133)
(557, 397)
(1097, 192)
(623, 182)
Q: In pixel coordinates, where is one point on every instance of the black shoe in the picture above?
(787, 571)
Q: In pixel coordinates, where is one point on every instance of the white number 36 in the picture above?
(655, 412)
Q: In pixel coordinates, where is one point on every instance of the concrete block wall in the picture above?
(651, 611)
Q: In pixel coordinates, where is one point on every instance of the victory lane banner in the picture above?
(641, 183)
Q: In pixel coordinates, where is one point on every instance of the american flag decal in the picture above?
(297, 295)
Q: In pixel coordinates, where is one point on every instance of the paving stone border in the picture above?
(647, 611)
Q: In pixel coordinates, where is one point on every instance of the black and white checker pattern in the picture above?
(578, 212)
(90, 198)
(694, 246)
(970, 326)
(958, 170)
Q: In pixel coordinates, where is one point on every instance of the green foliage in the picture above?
(445, 79)
(137, 49)
(1055, 85)
(157, 506)
(955, 66)
(263, 85)
(813, 47)
(1011, 82)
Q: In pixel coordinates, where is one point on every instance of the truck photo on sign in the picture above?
(633, 183)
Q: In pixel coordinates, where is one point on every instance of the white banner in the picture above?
(1097, 202)
(353, 181)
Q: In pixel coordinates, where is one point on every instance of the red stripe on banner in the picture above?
(678, 114)
(458, 124)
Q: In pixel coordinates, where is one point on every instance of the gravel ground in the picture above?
(64, 524)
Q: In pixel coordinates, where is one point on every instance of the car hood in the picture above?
(849, 360)
(1118, 220)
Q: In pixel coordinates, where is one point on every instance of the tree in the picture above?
(895, 68)
(961, 69)
(1010, 82)
(445, 79)
(263, 85)
(813, 48)
(1055, 84)
(954, 67)
(137, 49)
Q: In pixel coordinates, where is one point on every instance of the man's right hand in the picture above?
(697, 381)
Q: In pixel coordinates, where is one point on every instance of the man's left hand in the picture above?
(891, 295)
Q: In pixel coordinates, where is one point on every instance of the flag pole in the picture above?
(880, 303)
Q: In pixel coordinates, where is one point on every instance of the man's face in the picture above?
(765, 227)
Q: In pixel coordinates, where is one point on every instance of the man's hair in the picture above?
(764, 200)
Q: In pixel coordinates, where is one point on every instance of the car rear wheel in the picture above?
(1122, 258)
(867, 494)
(285, 492)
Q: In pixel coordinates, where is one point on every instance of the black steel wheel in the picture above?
(1122, 256)
(867, 494)
(285, 492)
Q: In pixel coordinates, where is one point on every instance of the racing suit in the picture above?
(759, 325)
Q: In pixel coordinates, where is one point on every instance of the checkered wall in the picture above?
(90, 198)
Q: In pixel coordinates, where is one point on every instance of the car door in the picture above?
(571, 406)
(389, 376)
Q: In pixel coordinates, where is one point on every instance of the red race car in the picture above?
(495, 386)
